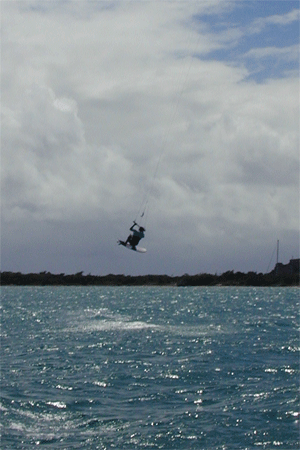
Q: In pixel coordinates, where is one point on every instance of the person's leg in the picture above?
(134, 241)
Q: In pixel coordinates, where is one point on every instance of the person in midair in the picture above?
(134, 238)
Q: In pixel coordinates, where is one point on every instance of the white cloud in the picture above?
(290, 53)
(48, 168)
(277, 19)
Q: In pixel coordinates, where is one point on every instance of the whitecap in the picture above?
(64, 388)
(17, 426)
(2, 407)
(100, 383)
(59, 405)
(112, 325)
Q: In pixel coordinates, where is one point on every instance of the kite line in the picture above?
(142, 213)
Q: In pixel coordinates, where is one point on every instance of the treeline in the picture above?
(229, 278)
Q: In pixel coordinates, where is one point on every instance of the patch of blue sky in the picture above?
(243, 12)
(261, 35)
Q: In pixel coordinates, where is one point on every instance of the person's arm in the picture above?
(132, 227)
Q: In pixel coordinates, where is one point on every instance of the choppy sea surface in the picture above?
(149, 368)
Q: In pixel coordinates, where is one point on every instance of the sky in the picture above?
(187, 111)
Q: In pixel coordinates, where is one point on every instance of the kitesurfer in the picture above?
(134, 238)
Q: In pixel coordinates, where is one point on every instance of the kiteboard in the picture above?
(136, 249)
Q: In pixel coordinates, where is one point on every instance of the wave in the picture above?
(113, 325)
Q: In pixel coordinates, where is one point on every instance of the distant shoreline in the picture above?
(229, 278)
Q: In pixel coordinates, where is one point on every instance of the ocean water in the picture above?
(149, 368)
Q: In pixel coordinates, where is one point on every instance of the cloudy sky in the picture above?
(187, 109)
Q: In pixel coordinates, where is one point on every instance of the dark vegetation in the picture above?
(229, 278)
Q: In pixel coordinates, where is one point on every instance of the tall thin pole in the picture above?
(277, 257)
